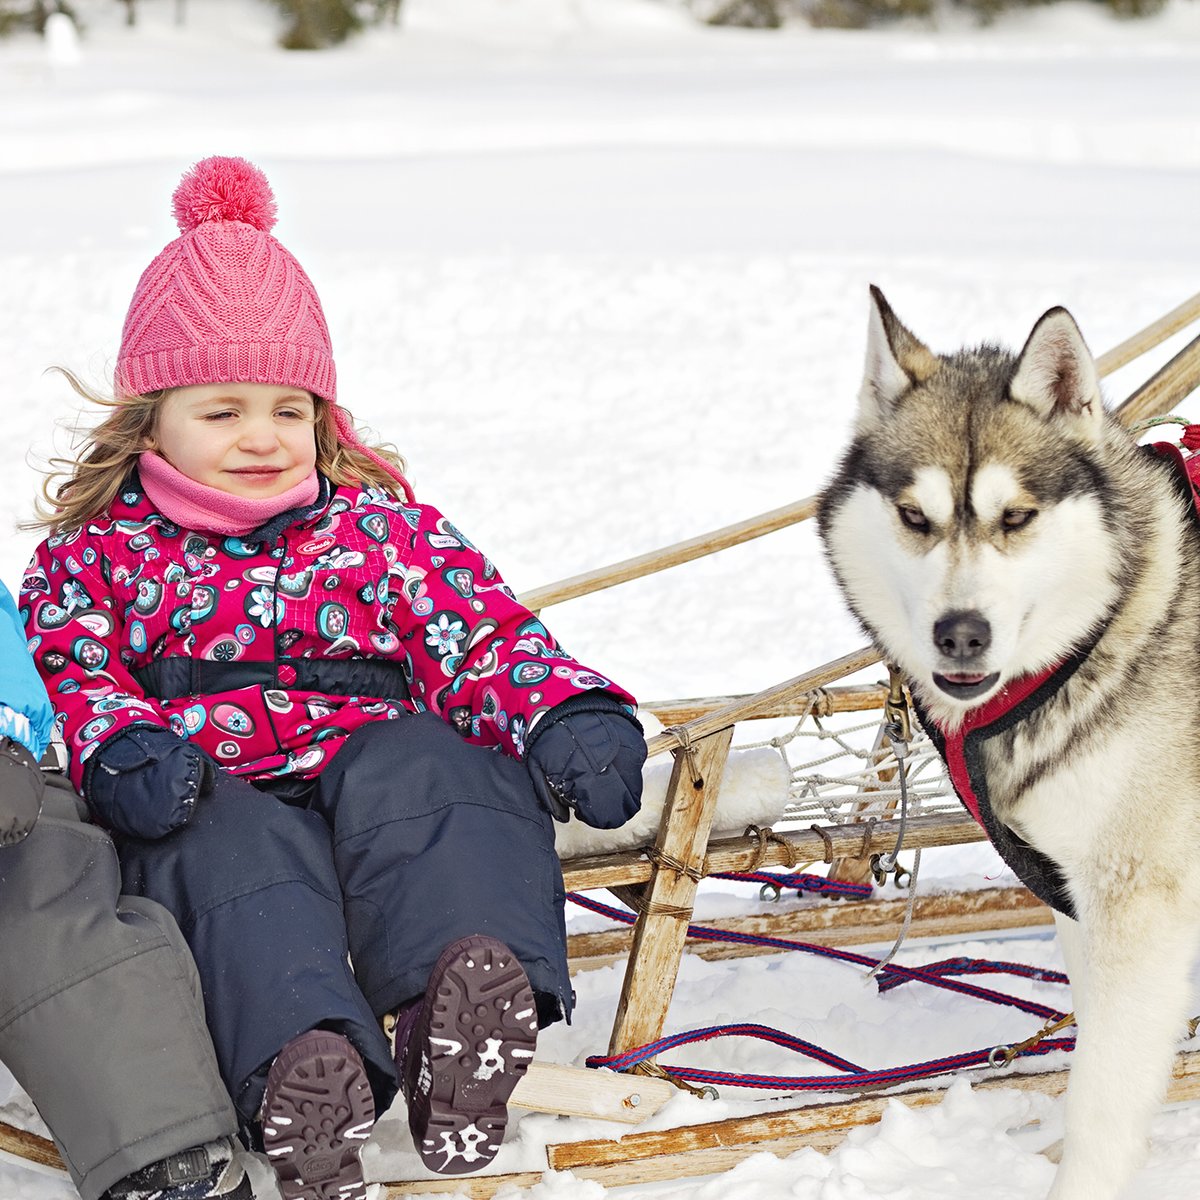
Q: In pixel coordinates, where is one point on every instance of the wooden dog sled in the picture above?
(844, 832)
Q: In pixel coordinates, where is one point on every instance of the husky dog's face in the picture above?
(967, 524)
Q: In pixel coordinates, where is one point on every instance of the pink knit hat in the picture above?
(225, 302)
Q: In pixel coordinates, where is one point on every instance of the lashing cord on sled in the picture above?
(854, 1077)
(898, 731)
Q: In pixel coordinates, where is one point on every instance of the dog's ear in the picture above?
(1056, 375)
(895, 361)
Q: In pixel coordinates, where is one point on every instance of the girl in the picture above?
(318, 723)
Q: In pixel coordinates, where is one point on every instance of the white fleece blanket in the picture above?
(754, 791)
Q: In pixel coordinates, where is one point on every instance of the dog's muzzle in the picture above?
(962, 640)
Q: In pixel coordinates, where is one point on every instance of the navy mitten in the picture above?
(145, 781)
(586, 755)
(21, 788)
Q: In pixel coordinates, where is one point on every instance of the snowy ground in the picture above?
(601, 274)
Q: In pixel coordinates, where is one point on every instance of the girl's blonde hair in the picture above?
(84, 486)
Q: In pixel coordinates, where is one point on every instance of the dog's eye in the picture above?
(1017, 518)
(913, 517)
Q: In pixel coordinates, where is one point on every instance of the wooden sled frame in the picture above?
(662, 884)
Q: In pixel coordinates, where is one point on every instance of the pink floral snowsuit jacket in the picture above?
(268, 653)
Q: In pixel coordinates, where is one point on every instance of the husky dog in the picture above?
(1036, 577)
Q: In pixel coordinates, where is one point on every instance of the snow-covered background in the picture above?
(601, 274)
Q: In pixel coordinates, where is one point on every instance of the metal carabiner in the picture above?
(1001, 1056)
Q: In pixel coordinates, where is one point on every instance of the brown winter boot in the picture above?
(460, 1051)
(317, 1112)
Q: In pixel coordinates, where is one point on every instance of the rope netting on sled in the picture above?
(843, 769)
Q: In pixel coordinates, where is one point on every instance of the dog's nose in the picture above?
(962, 636)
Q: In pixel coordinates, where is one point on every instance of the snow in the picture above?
(601, 274)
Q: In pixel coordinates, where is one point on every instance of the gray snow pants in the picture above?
(101, 1018)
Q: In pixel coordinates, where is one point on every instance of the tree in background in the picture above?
(859, 14)
(31, 14)
(314, 24)
(318, 23)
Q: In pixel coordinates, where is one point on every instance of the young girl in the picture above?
(316, 720)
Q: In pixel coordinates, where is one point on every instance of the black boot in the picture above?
(208, 1172)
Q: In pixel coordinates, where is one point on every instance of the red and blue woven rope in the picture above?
(801, 881)
(854, 1077)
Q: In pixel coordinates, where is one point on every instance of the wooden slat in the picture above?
(477, 1187)
(789, 1128)
(670, 556)
(30, 1146)
(696, 1150)
(577, 1092)
(840, 923)
(768, 701)
(856, 697)
(742, 854)
(1166, 388)
(659, 934)
(1153, 335)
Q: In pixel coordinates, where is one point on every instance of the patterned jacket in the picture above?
(268, 651)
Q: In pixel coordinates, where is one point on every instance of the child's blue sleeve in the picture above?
(26, 715)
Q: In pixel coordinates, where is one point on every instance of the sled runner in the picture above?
(838, 807)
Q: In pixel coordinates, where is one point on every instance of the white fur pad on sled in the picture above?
(754, 791)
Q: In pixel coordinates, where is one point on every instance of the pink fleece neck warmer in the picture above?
(193, 505)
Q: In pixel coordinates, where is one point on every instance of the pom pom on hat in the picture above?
(224, 189)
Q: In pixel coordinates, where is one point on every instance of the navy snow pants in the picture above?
(409, 839)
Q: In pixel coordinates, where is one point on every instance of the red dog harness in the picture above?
(962, 749)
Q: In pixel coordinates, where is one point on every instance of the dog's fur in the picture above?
(988, 520)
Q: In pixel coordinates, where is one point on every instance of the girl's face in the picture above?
(248, 439)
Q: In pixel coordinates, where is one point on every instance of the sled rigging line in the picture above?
(856, 1079)
(938, 978)
(773, 884)
(853, 1077)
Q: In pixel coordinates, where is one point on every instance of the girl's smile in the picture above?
(248, 439)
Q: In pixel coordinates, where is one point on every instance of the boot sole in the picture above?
(318, 1113)
(480, 1037)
